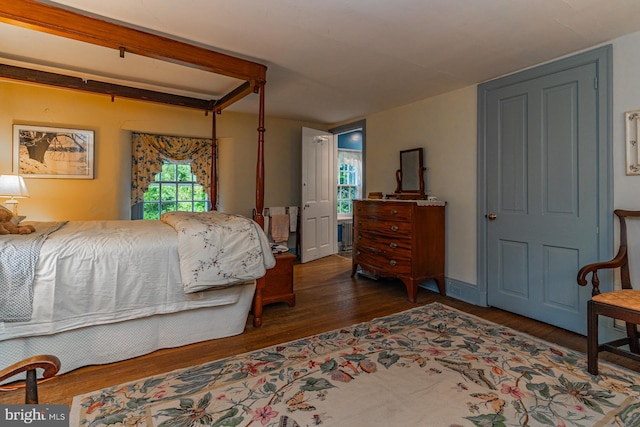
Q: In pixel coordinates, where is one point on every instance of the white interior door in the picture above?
(318, 210)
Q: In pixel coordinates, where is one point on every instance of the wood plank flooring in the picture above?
(326, 298)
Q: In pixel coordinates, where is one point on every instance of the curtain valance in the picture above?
(149, 152)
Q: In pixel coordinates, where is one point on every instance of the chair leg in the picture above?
(632, 333)
(592, 338)
(31, 396)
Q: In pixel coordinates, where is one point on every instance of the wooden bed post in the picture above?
(260, 166)
(260, 283)
(214, 164)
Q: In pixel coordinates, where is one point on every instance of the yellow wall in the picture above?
(108, 195)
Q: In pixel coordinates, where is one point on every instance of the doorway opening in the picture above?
(349, 179)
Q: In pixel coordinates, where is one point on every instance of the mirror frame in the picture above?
(420, 172)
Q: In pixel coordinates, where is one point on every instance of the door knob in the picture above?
(491, 216)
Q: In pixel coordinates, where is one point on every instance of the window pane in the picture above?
(153, 193)
(198, 193)
(168, 173)
(168, 207)
(168, 192)
(184, 173)
(151, 211)
(185, 206)
(200, 207)
(185, 192)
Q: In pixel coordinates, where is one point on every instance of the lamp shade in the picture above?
(12, 186)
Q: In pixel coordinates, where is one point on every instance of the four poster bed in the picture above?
(95, 303)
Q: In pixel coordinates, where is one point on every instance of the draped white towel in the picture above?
(293, 219)
(265, 215)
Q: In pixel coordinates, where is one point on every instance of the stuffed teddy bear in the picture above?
(7, 226)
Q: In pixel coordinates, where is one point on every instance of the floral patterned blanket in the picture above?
(218, 249)
(429, 366)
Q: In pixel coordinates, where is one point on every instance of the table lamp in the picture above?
(12, 187)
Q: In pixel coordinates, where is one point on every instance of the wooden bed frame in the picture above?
(65, 23)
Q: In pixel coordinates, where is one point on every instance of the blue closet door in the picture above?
(542, 193)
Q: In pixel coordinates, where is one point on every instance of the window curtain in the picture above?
(149, 152)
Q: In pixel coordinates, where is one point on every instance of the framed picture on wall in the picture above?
(51, 152)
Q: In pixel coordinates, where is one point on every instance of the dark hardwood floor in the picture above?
(326, 298)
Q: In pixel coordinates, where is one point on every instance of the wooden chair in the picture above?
(623, 304)
(50, 365)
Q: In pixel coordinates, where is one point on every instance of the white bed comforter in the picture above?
(217, 249)
(98, 272)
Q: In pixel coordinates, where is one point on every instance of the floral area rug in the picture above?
(428, 366)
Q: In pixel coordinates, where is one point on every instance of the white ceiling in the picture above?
(334, 60)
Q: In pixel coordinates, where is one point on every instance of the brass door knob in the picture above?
(491, 216)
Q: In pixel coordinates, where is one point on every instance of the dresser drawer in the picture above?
(399, 264)
(393, 228)
(383, 210)
(385, 244)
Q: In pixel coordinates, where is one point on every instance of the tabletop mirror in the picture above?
(410, 176)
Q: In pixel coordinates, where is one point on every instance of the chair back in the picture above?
(629, 232)
(621, 260)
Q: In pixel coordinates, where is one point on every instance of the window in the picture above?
(349, 179)
(174, 189)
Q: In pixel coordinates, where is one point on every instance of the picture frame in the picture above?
(632, 136)
(52, 152)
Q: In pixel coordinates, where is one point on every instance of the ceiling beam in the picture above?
(235, 95)
(93, 86)
(65, 23)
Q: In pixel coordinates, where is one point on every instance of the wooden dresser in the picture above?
(400, 239)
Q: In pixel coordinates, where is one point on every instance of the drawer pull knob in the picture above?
(358, 253)
(394, 228)
(394, 212)
(359, 237)
(393, 245)
(393, 262)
